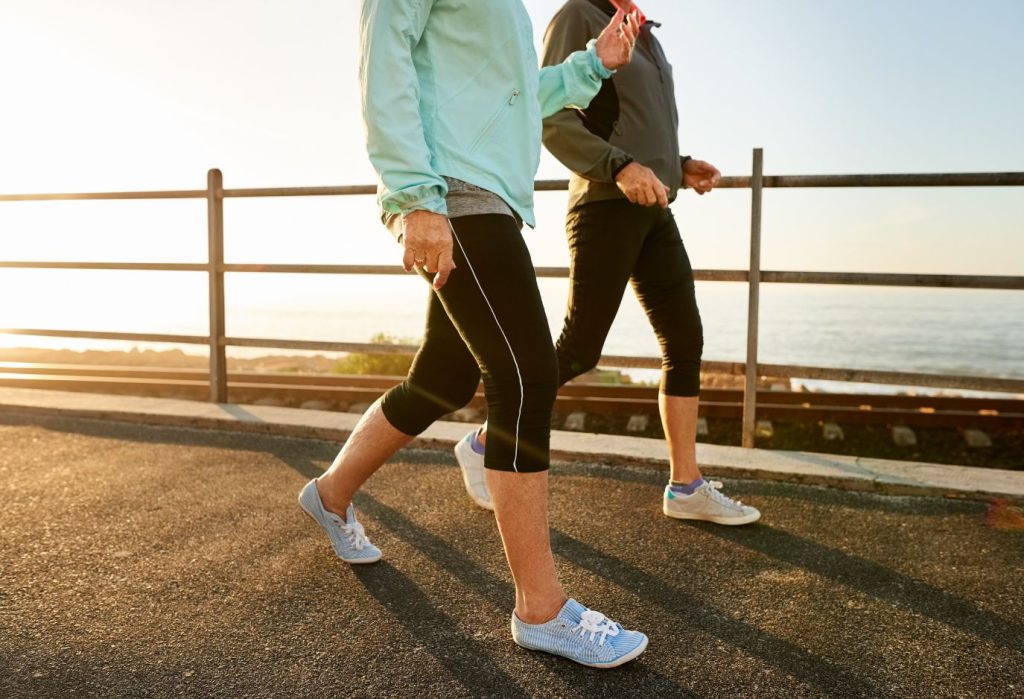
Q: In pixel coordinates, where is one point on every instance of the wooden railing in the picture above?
(754, 276)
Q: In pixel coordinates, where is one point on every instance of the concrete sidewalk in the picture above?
(847, 472)
(172, 561)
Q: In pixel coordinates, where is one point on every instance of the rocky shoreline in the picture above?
(295, 363)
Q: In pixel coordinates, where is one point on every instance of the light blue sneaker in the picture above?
(347, 536)
(583, 635)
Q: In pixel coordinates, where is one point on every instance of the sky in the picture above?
(121, 95)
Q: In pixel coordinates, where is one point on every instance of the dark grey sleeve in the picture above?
(565, 135)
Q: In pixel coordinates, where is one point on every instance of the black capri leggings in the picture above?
(611, 243)
(488, 321)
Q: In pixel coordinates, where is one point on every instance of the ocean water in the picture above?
(967, 332)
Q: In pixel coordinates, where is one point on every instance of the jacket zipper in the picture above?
(494, 120)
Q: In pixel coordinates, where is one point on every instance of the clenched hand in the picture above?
(428, 245)
(700, 176)
(641, 186)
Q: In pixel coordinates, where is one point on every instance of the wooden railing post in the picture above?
(215, 272)
(753, 301)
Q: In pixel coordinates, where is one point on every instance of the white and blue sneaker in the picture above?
(708, 503)
(582, 635)
(472, 466)
(347, 536)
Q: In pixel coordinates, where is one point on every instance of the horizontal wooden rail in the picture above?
(580, 387)
(897, 378)
(705, 275)
(97, 335)
(337, 191)
(960, 179)
(320, 345)
(941, 281)
(100, 196)
(125, 266)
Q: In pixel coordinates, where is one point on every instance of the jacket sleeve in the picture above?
(388, 31)
(573, 82)
(565, 134)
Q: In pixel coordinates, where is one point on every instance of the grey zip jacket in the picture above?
(632, 118)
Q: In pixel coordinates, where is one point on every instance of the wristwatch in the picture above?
(682, 167)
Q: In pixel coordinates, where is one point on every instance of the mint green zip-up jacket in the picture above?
(453, 88)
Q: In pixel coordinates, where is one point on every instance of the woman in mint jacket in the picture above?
(452, 101)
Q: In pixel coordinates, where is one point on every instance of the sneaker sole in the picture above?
(600, 666)
(727, 521)
(478, 501)
(351, 561)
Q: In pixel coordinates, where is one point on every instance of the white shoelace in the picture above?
(715, 492)
(596, 623)
(356, 535)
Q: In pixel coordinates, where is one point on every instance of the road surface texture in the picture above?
(147, 561)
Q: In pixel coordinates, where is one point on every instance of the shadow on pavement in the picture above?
(471, 663)
(883, 583)
(491, 587)
(154, 434)
(439, 633)
(439, 550)
(690, 610)
(907, 505)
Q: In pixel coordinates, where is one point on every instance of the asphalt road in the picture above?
(144, 561)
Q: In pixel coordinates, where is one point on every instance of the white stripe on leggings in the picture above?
(522, 394)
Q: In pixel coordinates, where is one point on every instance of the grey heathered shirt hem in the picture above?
(463, 199)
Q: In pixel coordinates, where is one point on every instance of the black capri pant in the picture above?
(614, 242)
(488, 321)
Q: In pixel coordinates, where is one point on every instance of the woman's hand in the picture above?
(427, 238)
(615, 43)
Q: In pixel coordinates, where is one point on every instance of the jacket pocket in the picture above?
(493, 122)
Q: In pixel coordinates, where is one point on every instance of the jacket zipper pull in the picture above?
(512, 99)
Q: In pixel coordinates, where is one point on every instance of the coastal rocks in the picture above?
(637, 423)
(575, 422)
(976, 439)
(832, 432)
(903, 436)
